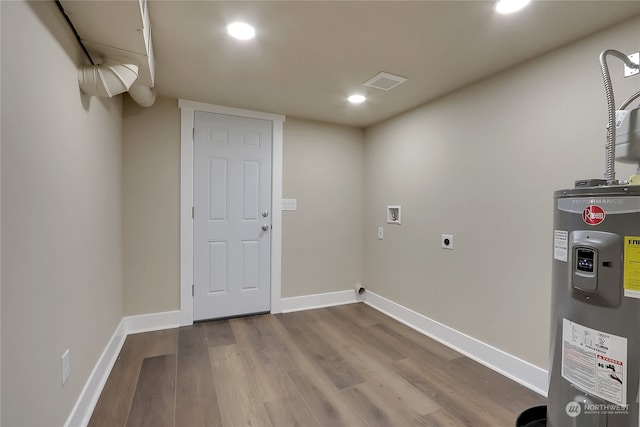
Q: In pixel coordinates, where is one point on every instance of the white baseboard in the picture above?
(504, 363)
(152, 322)
(309, 302)
(520, 371)
(86, 403)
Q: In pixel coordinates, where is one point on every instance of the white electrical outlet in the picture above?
(66, 366)
(380, 233)
(447, 241)
(628, 71)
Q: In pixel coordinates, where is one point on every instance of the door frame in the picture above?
(187, 112)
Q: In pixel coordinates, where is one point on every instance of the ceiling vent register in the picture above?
(385, 81)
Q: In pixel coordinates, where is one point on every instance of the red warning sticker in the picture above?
(593, 215)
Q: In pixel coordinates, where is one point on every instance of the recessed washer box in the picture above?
(394, 214)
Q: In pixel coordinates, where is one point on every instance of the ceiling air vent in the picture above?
(385, 81)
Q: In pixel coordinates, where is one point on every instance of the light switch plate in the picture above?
(289, 204)
(66, 366)
(380, 233)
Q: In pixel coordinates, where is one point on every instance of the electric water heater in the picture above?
(595, 334)
(594, 373)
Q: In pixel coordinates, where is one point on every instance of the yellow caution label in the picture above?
(632, 266)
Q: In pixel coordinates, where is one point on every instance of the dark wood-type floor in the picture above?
(342, 366)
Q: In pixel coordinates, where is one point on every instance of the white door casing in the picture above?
(232, 215)
(188, 109)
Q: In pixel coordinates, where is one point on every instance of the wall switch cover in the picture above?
(66, 366)
(289, 204)
(447, 241)
(380, 233)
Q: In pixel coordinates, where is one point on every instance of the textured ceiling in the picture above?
(309, 55)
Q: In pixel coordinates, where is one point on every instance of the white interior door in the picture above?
(232, 215)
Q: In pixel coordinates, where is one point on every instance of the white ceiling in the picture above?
(309, 55)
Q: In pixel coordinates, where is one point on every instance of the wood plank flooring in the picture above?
(341, 366)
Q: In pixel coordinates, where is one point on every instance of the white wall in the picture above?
(482, 164)
(151, 190)
(322, 241)
(61, 217)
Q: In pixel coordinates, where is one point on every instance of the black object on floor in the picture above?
(533, 417)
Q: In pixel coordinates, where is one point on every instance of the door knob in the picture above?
(265, 213)
(265, 227)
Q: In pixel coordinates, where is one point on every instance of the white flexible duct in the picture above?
(143, 95)
(107, 79)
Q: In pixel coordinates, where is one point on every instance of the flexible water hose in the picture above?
(626, 103)
(610, 172)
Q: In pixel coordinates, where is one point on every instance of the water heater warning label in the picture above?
(632, 266)
(560, 244)
(595, 361)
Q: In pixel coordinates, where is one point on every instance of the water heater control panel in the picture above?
(596, 267)
(585, 259)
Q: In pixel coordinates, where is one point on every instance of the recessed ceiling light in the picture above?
(510, 6)
(241, 30)
(356, 99)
